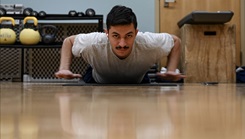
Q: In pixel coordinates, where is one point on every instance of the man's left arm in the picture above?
(172, 62)
(174, 55)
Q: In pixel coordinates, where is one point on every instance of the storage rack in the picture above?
(48, 17)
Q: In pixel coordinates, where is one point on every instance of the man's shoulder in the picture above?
(142, 34)
(92, 34)
(93, 37)
(151, 36)
(146, 36)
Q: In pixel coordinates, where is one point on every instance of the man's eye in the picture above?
(129, 36)
(115, 36)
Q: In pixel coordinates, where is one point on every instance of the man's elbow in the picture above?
(69, 40)
(177, 41)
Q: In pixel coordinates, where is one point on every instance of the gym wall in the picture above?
(144, 9)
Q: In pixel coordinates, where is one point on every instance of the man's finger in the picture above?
(77, 75)
(171, 76)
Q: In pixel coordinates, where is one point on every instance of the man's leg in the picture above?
(146, 79)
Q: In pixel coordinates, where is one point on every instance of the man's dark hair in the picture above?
(121, 15)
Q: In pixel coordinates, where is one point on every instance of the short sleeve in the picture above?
(164, 41)
(84, 41)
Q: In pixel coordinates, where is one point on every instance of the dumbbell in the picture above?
(28, 11)
(34, 13)
(72, 13)
(90, 12)
(2, 11)
(80, 14)
(42, 14)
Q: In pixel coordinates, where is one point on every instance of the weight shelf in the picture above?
(61, 17)
(57, 17)
(31, 46)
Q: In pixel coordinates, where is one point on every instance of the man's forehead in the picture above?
(122, 29)
(121, 33)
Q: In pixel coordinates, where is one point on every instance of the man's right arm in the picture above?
(65, 60)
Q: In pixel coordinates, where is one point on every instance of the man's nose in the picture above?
(122, 42)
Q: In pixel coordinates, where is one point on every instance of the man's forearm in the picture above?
(174, 56)
(66, 54)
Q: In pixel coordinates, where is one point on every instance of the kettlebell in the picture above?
(30, 36)
(48, 38)
(7, 35)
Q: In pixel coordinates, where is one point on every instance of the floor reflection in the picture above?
(50, 111)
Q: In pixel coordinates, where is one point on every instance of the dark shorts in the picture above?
(88, 78)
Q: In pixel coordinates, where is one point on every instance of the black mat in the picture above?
(81, 83)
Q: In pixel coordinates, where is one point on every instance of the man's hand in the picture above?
(171, 76)
(67, 74)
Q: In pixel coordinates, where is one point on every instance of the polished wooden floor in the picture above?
(189, 111)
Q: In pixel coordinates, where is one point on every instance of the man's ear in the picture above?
(106, 31)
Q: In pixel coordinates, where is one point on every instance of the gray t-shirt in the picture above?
(148, 49)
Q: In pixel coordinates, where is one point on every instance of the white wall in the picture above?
(144, 9)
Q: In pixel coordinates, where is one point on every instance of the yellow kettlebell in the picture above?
(30, 36)
(7, 35)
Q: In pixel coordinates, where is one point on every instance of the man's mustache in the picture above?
(120, 47)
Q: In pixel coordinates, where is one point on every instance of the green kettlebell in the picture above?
(30, 36)
(7, 35)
